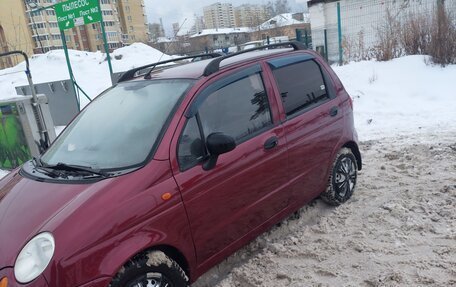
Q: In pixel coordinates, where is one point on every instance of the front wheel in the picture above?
(150, 269)
(342, 180)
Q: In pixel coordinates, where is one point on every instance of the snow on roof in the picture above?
(285, 19)
(164, 40)
(223, 31)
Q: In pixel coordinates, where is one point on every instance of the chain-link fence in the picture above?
(348, 30)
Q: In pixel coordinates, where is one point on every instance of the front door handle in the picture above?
(271, 142)
(333, 111)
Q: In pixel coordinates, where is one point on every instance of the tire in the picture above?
(153, 268)
(342, 180)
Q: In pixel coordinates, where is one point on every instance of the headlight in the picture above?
(34, 257)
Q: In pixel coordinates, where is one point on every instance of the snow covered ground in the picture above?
(399, 229)
(399, 97)
(90, 69)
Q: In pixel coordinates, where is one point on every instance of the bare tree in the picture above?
(277, 7)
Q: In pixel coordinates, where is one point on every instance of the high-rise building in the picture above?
(176, 27)
(133, 21)
(156, 31)
(249, 15)
(219, 15)
(199, 25)
(47, 36)
(14, 32)
(23, 27)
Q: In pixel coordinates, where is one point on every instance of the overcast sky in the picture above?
(172, 11)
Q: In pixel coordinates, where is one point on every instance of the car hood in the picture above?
(27, 205)
(78, 214)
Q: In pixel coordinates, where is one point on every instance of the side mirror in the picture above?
(217, 144)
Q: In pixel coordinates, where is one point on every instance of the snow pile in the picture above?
(218, 31)
(3, 173)
(90, 69)
(403, 96)
(285, 19)
(136, 55)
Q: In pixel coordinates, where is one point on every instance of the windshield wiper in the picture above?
(39, 167)
(77, 168)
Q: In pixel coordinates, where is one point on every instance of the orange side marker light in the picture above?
(165, 196)
(4, 282)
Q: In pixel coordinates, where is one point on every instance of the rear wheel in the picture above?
(342, 180)
(150, 269)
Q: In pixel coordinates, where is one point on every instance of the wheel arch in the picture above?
(355, 149)
(175, 254)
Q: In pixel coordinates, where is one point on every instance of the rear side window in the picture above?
(301, 86)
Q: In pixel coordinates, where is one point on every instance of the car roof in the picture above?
(195, 70)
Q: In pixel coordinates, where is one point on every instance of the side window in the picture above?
(239, 109)
(301, 86)
(190, 148)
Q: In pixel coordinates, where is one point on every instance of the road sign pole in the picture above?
(70, 70)
(106, 46)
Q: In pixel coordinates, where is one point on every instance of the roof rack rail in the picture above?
(214, 65)
(130, 74)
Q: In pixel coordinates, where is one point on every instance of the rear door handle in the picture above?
(333, 111)
(271, 142)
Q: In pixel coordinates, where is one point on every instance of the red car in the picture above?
(174, 168)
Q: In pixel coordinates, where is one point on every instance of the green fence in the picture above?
(351, 30)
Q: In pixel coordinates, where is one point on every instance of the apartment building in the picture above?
(93, 32)
(14, 32)
(133, 21)
(249, 15)
(219, 15)
(23, 27)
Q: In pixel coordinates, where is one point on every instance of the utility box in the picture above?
(63, 102)
(19, 133)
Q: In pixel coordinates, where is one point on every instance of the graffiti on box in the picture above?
(13, 146)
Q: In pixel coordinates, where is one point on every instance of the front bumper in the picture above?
(9, 273)
(41, 282)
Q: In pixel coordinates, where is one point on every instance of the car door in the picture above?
(244, 189)
(312, 121)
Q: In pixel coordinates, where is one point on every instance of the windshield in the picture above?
(119, 128)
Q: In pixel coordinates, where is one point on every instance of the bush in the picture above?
(388, 34)
(413, 35)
